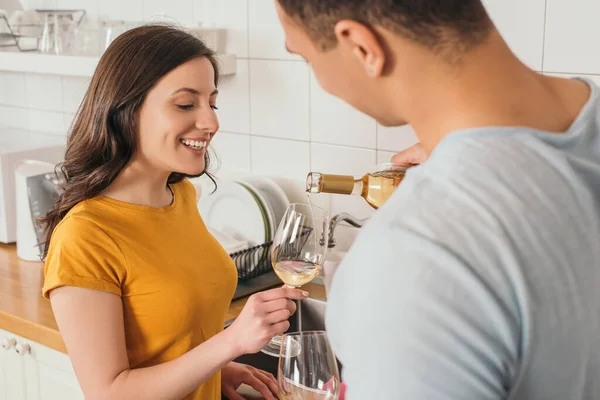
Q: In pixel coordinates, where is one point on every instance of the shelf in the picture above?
(38, 63)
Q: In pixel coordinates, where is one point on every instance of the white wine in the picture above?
(296, 273)
(312, 216)
(301, 394)
(379, 186)
(375, 187)
(295, 391)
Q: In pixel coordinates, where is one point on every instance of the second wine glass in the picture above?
(308, 368)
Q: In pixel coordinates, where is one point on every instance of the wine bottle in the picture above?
(375, 187)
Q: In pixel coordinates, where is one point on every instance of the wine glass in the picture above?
(298, 251)
(308, 368)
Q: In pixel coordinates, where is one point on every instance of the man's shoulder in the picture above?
(488, 151)
(480, 180)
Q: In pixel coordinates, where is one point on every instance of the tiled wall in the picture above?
(275, 119)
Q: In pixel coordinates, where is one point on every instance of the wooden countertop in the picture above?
(24, 312)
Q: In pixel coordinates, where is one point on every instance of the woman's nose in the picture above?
(207, 121)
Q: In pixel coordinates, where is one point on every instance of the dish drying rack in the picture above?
(252, 262)
(255, 273)
(12, 36)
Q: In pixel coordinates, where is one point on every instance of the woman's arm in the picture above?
(91, 323)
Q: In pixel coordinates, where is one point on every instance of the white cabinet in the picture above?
(12, 384)
(56, 378)
(30, 371)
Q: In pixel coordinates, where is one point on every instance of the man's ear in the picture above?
(364, 44)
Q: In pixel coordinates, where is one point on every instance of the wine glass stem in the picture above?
(298, 309)
(299, 314)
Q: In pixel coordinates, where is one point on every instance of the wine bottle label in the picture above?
(339, 184)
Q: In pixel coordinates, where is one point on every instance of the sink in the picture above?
(312, 316)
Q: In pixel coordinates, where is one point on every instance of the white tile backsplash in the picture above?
(130, 10)
(180, 12)
(395, 138)
(41, 4)
(90, 7)
(234, 100)
(68, 119)
(73, 90)
(14, 117)
(32, 4)
(521, 23)
(266, 38)
(285, 158)
(47, 139)
(572, 30)
(229, 14)
(341, 160)
(335, 122)
(47, 121)
(232, 151)
(44, 92)
(384, 156)
(12, 89)
(279, 99)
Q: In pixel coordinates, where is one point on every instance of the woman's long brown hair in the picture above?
(103, 136)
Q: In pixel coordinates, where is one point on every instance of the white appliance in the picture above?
(17, 145)
(36, 190)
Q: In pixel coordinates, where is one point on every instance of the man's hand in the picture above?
(414, 155)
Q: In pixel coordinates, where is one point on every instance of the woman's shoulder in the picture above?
(82, 220)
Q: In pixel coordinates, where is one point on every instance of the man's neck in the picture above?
(491, 87)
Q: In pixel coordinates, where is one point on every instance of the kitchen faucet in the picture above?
(343, 217)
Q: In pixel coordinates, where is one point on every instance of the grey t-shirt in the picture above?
(480, 277)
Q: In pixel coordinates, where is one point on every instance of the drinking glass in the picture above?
(87, 39)
(57, 33)
(308, 368)
(298, 252)
(112, 29)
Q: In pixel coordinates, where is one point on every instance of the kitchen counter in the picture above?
(24, 312)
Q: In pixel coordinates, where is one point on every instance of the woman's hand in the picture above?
(265, 315)
(234, 374)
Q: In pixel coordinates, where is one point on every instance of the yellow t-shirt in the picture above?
(175, 280)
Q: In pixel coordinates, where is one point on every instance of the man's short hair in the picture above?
(455, 25)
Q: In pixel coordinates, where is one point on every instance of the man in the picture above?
(480, 277)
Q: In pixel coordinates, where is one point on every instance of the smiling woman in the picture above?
(104, 136)
(198, 143)
(138, 286)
